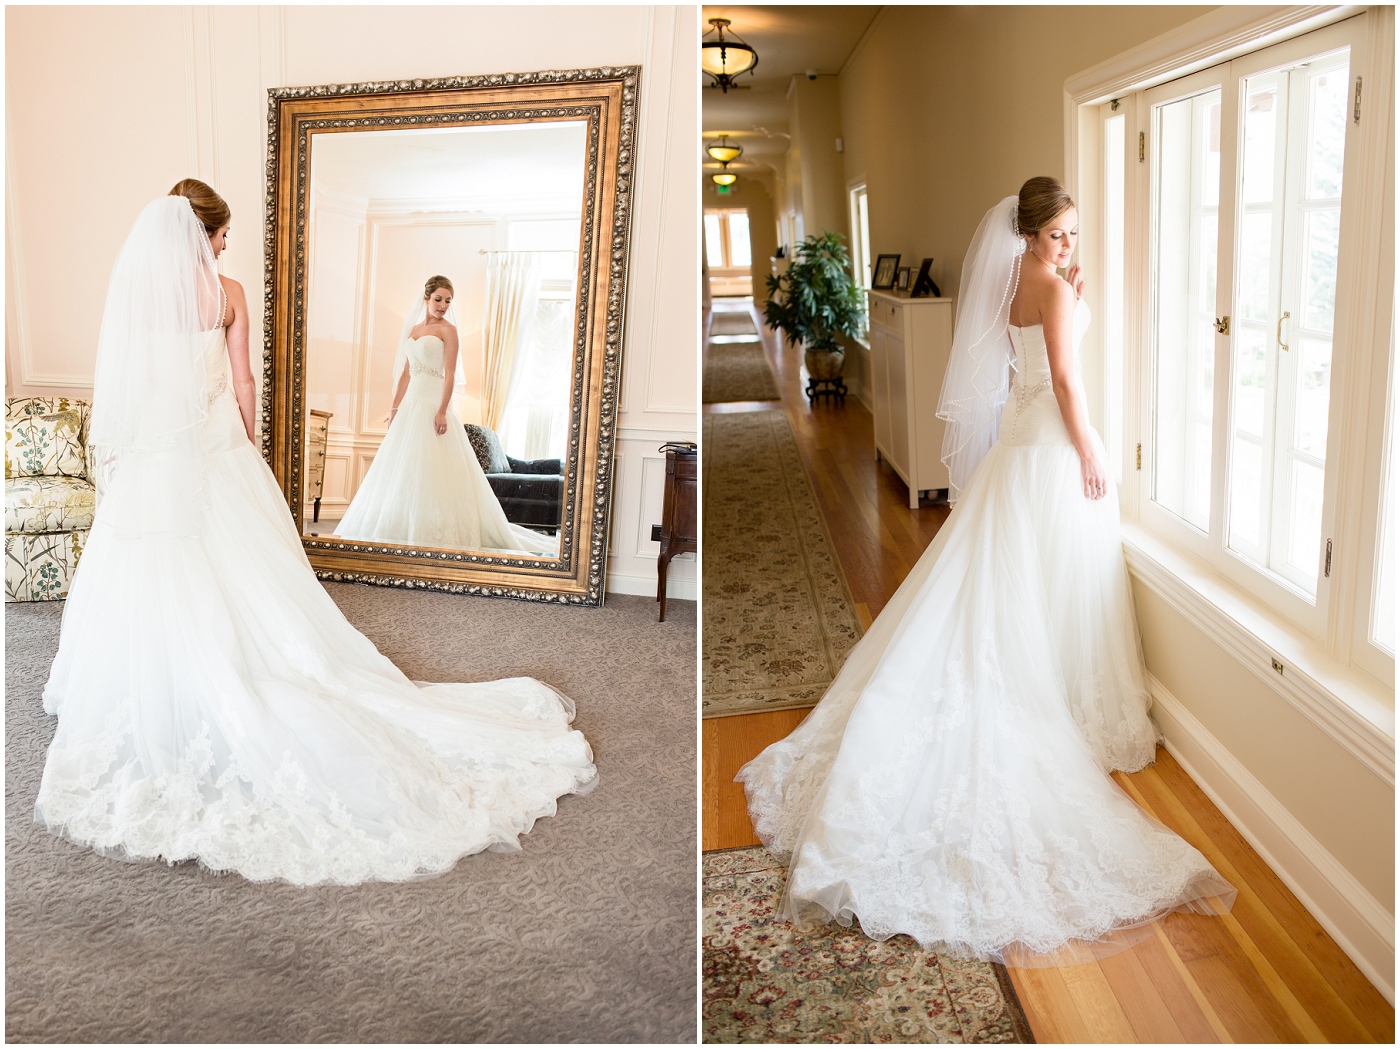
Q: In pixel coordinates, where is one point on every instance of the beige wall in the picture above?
(107, 107)
(1344, 805)
(945, 110)
(814, 116)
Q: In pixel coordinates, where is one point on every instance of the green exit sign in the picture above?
(723, 190)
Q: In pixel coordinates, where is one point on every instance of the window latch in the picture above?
(1356, 111)
(1142, 146)
(1327, 565)
(1283, 345)
(1222, 324)
(1139, 456)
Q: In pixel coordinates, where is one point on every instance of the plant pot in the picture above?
(824, 364)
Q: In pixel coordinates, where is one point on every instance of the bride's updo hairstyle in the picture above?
(434, 283)
(210, 208)
(1042, 200)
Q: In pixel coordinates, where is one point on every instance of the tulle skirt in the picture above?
(215, 705)
(952, 784)
(427, 489)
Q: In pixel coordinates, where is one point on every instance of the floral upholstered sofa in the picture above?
(49, 497)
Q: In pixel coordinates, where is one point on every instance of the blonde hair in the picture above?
(434, 283)
(1042, 200)
(210, 208)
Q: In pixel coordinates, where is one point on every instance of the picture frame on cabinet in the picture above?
(886, 270)
(902, 282)
(923, 285)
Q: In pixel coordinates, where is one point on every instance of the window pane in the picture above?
(1245, 495)
(1321, 230)
(1260, 122)
(1113, 131)
(714, 242)
(1256, 249)
(740, 254)
(1305, 518)
(1187, 177)
(1251, 377)
(1327, 97)
(864, 234)
(1310, 407)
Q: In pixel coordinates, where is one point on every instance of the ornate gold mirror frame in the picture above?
(606, 99)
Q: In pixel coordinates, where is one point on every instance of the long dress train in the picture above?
(427, 489)
(952, 783)
(215, 705)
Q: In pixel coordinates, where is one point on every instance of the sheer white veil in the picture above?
(976, 382)
(149, 385)
(413, 317)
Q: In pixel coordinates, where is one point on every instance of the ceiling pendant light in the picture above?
(724, 178)
(724, 151)
(724, 59)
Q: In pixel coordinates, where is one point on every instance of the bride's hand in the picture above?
(440, 423)
(1095, 481)
(1076, 281)
(390, 417)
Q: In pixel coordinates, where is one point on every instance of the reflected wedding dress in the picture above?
(428, 489)
(214, 704)
(952, 784)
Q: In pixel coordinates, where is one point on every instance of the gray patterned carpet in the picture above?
(587, 935)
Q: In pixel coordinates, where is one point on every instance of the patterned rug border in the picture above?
(790, 697)
(1015, 1012)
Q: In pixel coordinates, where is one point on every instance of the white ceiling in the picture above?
(789, 41)
(509, 168)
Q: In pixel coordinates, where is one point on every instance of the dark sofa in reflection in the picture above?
(531, 493)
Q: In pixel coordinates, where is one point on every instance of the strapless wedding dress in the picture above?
(213, 704)
(952, 784)
(427, 489)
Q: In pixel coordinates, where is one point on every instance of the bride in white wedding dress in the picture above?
(953, 782)
(425, 486)
(213, 703)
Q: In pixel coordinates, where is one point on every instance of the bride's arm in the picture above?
(449, 375)
(1057, 316)
(399, 390)
(236, 337)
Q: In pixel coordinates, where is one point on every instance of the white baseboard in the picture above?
(677, 589)
(1360, 924)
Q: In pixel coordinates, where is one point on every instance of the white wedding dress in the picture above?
(952, 784)
(214, 704)
(427, 489)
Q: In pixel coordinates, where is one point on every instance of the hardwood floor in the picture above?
(1264, 972)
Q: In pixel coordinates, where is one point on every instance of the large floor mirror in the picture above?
(446, 270)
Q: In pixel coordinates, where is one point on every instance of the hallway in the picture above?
(1266, 971)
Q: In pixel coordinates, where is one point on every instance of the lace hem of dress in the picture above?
(99, 795)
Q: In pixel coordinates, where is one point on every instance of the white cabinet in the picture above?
(909, 344)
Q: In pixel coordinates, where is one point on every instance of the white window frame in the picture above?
(860, 246)
(1335, 629)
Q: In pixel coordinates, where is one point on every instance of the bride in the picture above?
(424, 486)
(953, 782)
(213, 704)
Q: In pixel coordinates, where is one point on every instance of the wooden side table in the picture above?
(317, 432)
(679, 529)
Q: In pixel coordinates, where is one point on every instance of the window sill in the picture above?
(1353, 708)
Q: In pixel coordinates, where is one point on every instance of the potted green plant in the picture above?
(816, 302)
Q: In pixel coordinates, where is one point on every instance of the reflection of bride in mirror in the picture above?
(425, 486)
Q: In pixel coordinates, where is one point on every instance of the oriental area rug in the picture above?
(736, 368)
(766, 980)
(779, 617)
